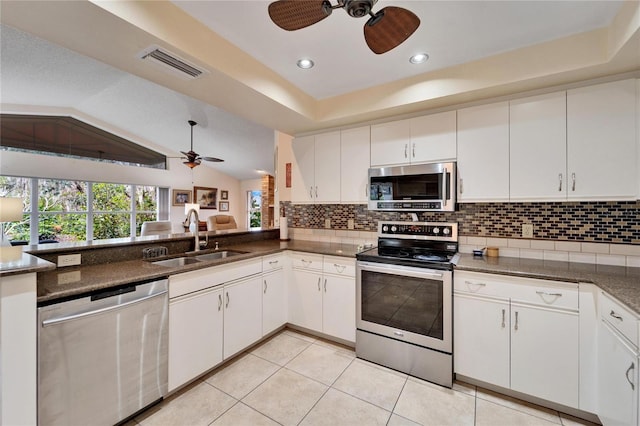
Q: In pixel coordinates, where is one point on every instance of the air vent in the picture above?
(170, 60)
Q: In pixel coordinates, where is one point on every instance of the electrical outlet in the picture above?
(351, 224)
(69, 260)
(527, 230)
(327, 223)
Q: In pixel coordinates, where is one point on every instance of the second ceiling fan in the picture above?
(384, 30)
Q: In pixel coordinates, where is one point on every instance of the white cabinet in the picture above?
(274, 293)
(537, 147)
(354, 164)
(322, 294)
(433, 137)
(315, 175)
(195, 335)
(601, 141)
(424, 139)
(391, 143)
(483, 153)
(518, 333)
(242, 314)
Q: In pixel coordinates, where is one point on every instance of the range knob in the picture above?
(436, 230)
(385, 228)
(393, 228)
(446, 231)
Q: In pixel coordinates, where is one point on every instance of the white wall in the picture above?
(285, 155)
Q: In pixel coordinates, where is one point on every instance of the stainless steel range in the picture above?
(404, 299)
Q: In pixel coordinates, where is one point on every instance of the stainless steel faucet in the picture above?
(197, 231)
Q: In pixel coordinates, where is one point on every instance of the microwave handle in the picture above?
(444, 186)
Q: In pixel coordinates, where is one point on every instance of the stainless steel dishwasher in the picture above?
(103, 357)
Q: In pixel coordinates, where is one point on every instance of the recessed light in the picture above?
(419, 58)
(305, 64)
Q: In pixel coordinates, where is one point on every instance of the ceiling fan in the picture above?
(384, 30)
(194, 159)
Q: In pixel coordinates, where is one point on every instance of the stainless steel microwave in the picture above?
(420, 187)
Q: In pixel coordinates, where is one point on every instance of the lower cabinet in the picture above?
(195, 335)
(305, 299)
(274, 301)
(339, 307)
(518, 333)
(242, 314)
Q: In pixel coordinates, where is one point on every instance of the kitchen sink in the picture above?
(218, 255)
(178, 261)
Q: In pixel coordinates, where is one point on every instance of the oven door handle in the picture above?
(399, 270)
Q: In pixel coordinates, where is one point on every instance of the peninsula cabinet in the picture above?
(518, 333)
(315, 174)
(242, 314)
(274, 293)
(424, 139)
(601, 142)
(483, 153)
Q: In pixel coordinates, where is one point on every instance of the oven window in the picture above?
(404, 303)
(408, 187)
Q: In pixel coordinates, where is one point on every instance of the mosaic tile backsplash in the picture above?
(602, 221)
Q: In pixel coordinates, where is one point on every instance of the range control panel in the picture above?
(444, 231)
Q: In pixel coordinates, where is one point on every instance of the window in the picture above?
(68, 211)
(254, 207)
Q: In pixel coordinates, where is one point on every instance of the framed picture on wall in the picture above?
(180, 197)
(205, 197)
(224, 195)
(224, 206)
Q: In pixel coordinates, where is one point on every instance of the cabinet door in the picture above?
(483, 153)
(433, 137)
(481, 338)
(339, 307)
(305, 300)
(302, 170)
(242, 315)
(327, 168)
(195, 335)
(274, 301)
(538, 142)
(354, 164)
(544, 353)
(618, 379)
(601, 141)
(390, 143)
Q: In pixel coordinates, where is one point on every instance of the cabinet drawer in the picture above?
(524, 290)
(312, 262)
(620, 318)
(339, 266)
(272, 263)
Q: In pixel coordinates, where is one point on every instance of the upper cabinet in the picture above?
(354, 165)
(315, 175)
(538, 154)
(423, 139)
(483, 153)
(601, 142)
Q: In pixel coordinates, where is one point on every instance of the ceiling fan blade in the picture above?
(213, 159)
(389, 28)
(293, 15)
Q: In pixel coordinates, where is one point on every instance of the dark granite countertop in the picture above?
(620, 282)
(75, 280)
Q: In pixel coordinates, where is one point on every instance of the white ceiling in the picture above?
(83, 55)
(451, 33)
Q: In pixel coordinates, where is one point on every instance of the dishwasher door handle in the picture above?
(54, 321)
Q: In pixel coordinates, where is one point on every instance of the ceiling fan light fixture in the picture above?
(419, 58)
(305, 63)
(191, 164)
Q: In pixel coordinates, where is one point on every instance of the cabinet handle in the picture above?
(560, 182)
(631, 367)
(306, 261)
(405, 150)
(265, 287)
(616, 316)
(325, 285)
(273, 262)
(219, 302)
(316, 191)
(544, 293)
(504, 324)
(461, 186)
(319, 279)
(573, 181)
(516, 325)
(227, 305)
(469, 283)
(444, 187)
(339, 268)
(413, 148)
(311, 192)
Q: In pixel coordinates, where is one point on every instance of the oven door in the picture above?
(405, 303)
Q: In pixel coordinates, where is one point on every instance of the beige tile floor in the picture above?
(295, 379)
